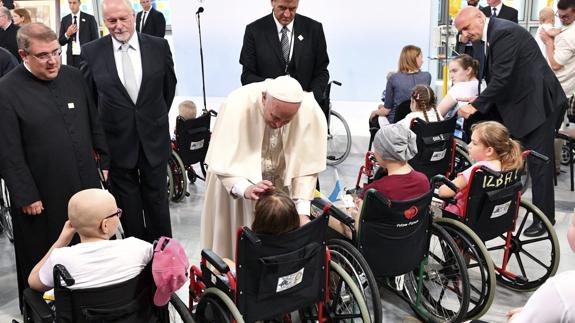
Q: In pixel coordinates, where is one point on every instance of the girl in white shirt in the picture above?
(422, 106)
(463, 72)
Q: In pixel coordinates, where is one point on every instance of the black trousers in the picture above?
(73, 60)
(542, 174)
(142, 195)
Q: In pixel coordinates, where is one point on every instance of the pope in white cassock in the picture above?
(267, 134)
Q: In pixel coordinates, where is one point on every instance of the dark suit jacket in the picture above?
(88, 31)
(262, 56)
(520, 85)
(155, 23)
(506, 12)
(128, 125)
(8, 40)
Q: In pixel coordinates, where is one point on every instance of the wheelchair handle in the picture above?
(443, 180)
(339, 215)
(536, 155)
(61, 272)
(215, 261)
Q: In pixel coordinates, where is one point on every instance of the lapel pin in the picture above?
(84, 20)
(71, 105)
(300, 37)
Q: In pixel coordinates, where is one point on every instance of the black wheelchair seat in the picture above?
(193, 138)
(435, 147)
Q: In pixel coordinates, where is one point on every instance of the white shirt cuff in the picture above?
(240, 187)
(303, 206)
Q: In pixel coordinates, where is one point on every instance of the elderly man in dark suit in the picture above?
(132, 77)
(500, 10)
(150, 21)
(522, 92)
(8, 33)
(76, 29)
(285, 43)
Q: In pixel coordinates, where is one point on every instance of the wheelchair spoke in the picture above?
(524, 242)
(523, 221)
(520, 263)
(534, 259)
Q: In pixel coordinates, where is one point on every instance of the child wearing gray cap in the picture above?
(393, 146)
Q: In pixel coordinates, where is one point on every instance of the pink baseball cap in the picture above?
(169, 269)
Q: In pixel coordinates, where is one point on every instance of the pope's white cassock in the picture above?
(243, 147)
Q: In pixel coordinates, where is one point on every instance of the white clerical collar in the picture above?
(77, 14)
(280, 26)
(134, 43)
(484, 36)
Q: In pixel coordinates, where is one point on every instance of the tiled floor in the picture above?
(186, 227)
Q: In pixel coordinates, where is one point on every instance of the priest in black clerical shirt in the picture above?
(49, 132)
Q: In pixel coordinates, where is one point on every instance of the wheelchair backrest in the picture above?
(491, 202)
(435, 147)
(393, 236)
(402, 110)
(277, 274)
(130, 301)
(193, 138)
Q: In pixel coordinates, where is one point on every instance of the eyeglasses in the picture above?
(563, 17)
(118, 213)
(44, 57)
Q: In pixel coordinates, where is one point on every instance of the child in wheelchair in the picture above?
(275, 213)
(393, 146)
(423, 106)
(96, 261)
(490, 146)
(187, 110)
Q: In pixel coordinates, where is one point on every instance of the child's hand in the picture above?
(67, 234)
(513, 313)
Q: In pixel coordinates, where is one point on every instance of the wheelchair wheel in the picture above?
(439, 289)
(530, 260)
(179, 186)
(565, 154)
(170, 182)
(461, 162)
(346, 303)
(178, 311)
(338, 139)
(479, 266)
(216, 307)
(5, 214)
(351, 260)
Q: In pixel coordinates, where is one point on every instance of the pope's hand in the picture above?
(253, 192)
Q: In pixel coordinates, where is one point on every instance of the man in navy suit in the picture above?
(501, 10)
(76, 29)
(303, 54)
(522, 92)
(150, 21)
(132, 78)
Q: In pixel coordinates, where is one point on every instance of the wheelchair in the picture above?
(192, 139)
(129, 301)
(489, 229)
(431, 267)
(275, 276)
(5, 212)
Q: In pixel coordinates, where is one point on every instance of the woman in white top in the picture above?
(422, 106)
(463, 73)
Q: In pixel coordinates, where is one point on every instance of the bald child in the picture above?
(96, 261)
(547, 21)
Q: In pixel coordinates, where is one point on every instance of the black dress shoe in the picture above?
(536, 229)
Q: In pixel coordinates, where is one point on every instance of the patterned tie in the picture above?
(75, 23)
(143, 21)
(285, 44)
(494, 12)
(129, 75)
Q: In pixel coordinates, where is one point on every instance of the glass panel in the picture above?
(533, 31)
(536, 6)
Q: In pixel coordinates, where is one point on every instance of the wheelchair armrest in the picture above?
(443, 180)
(339, 215)
(215, 261)
(537, 155)
(61, 272)
(36, 308)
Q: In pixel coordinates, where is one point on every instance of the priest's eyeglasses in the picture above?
(44, 57)
(118, 213)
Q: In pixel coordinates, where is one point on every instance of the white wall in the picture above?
(364, 39)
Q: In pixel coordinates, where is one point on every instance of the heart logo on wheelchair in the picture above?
(410, 213)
